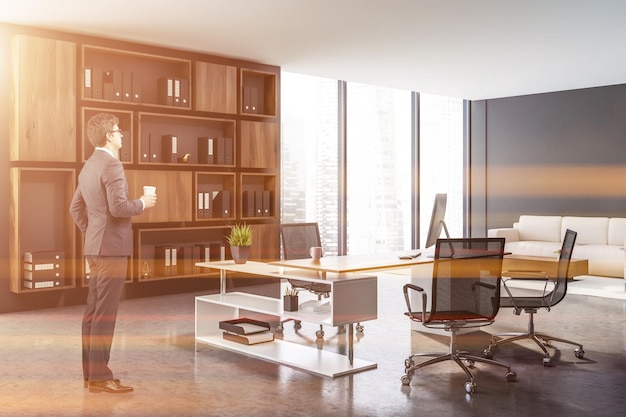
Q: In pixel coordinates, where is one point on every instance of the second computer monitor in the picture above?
(437, 220)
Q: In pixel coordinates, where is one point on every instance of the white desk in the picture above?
(353, 298)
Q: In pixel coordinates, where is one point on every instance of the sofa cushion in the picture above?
(617, 231)
(590, 230)
(533, 248)
(541, 228)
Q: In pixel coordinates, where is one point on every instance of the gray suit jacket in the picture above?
(101, 207)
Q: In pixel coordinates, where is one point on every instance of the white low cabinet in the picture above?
(353, 299)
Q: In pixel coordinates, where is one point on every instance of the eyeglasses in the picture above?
(116, 131)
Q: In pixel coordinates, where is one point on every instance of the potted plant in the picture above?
(240, 240)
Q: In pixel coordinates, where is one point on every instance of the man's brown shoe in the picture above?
(111, 386)
(86, 382)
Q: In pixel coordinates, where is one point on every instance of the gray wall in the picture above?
(558, 153)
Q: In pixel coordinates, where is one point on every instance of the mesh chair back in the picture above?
(298, 238)
(563, 268)
(466, 279)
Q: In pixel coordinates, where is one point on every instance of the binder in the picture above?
(184, 92)
(169, 148)
(136, 90)
(258, 203)
(221, 204)
(208, 204)
(196, 256)
(127, 86)
(108, 90)
(206, 150)
(165, 91)
(228, 151)
(248, 204)
(254, 105)
(185, 260)
(87, 83)
(44, 269)
(145, 148)
(177, 92)
(200, 205)
(112, 85)
(96, 85)
(125, 151)
(162, 260)
(246, 99)
(154, 148)
(221, 154)
(267, 203)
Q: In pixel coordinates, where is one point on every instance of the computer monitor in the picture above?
(436, 220)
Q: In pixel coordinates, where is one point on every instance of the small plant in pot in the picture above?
(240, 240)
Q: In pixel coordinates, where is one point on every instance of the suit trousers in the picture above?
(107, 277)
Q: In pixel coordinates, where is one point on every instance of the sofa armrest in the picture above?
(510, 234)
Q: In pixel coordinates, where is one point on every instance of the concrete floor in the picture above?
(154, 351)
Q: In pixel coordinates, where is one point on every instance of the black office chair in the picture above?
(554, 290)
(297, 239)
(465, 293)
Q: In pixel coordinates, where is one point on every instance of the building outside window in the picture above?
(379, 163)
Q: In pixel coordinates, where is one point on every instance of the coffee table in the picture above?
(548, 264)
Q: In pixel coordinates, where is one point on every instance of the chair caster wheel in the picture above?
(510, 376)
(547, 362)
(319, 333)
(408, 363)
(579, 353)
(406, 380)
(360, 328)
(488, 354)
(279, 329)
(470, 387)
(297, 324)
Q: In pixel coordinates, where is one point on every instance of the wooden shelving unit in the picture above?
(185, 131)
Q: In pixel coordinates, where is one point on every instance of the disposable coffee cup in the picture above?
(149, 190)
(316, 252)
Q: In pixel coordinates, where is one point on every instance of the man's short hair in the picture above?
(98, 127)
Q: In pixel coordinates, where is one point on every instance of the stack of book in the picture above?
(246, 331)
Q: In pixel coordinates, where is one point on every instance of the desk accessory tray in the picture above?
(246, 331)
(244, 326)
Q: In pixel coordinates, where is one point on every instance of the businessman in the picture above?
(102, 210)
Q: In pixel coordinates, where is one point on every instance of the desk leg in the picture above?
(351, 343)
(222, 281)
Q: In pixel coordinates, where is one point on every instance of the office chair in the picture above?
(554, 290)
(465, 293)
(297, 239)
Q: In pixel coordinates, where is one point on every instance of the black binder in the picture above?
(127, 86)
(248, 204)
(155, 155)
(206, 150)
(221, 204)
(87, 82)
(96, 83)
(258, 203)
(163, 260)
(169, 148)
(185, 260)
(145, 148)
(165, 91)
(184, 92)
(228, 151)
(267, 203)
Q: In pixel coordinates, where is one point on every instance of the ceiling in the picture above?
(474, 50)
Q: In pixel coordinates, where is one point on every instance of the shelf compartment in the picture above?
(43, 89)
(201, 242)
(215, 88)
(126, 125)
(156, 146)
(215, 196)
(39, 213)
(258, 93)
(174, 193)
(259, 144)
(258, 195)
(122, 76)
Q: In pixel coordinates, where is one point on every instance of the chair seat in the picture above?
(524, 302)
(445, 317)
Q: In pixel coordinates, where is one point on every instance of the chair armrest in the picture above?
(525, 274)
(510, 234)
(414, 287)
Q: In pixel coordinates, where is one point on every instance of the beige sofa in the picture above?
(600, 240)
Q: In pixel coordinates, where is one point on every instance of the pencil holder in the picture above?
(290, 302)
